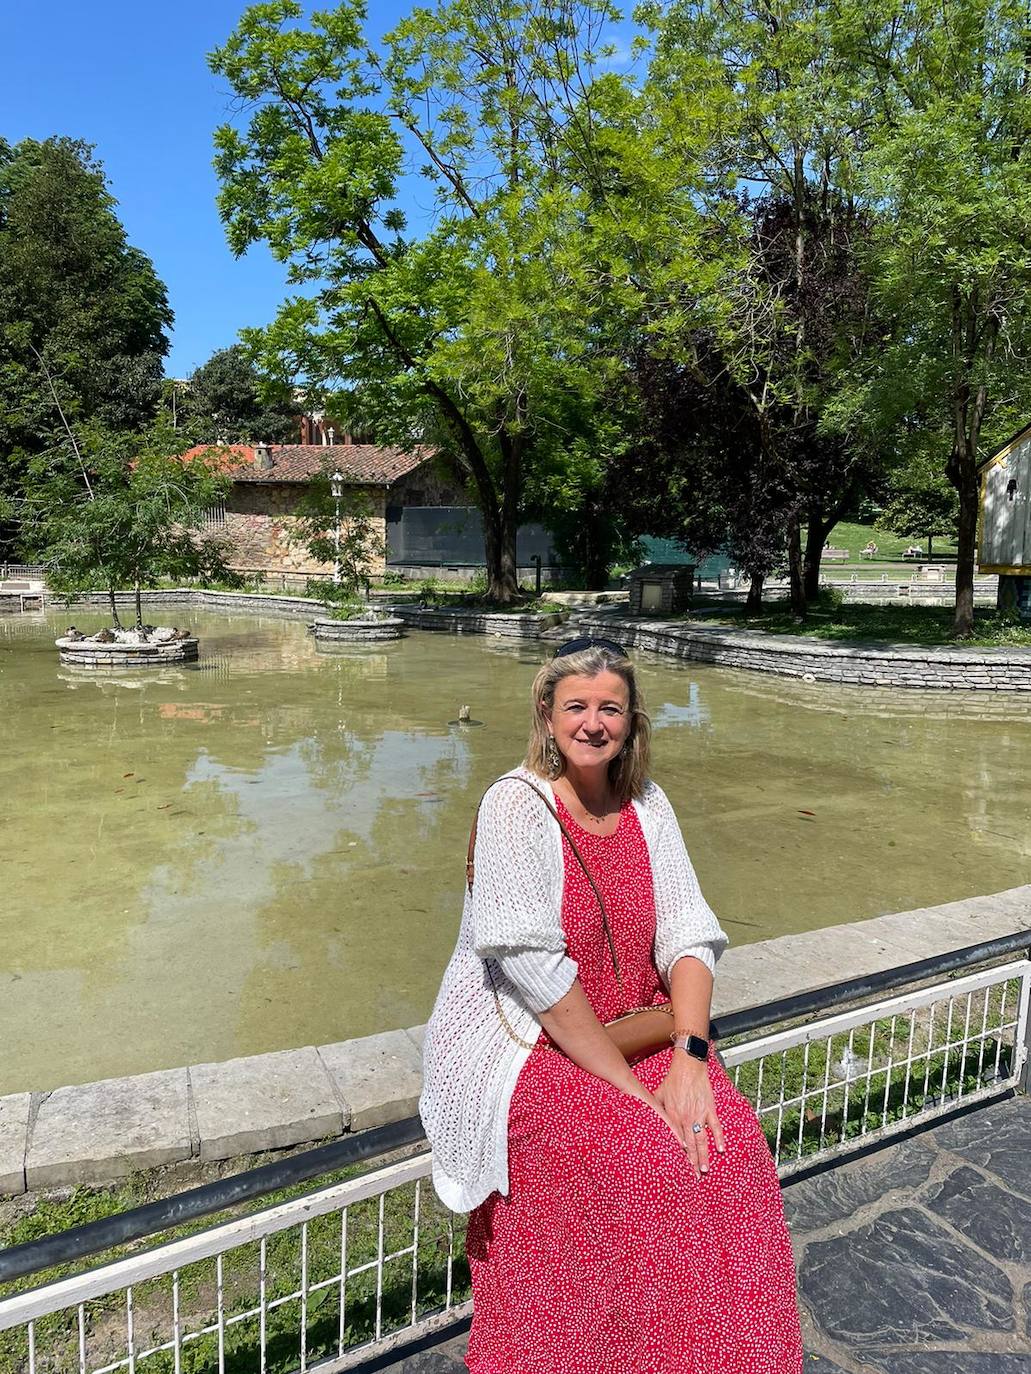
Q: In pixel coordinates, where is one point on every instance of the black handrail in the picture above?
(138, 1222)
(17, 1261)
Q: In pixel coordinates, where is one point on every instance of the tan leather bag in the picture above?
(638, 1032)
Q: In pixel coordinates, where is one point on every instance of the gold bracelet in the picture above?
(688, 1032)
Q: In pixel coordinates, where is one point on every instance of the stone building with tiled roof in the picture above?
(269, 481)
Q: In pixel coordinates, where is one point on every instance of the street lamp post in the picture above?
(336, 486)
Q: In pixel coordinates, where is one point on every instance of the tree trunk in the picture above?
(963, 625)
(754, 599)
(499, 547)
(969, 403)
(797, 592)
(817, 531)
(930, 543)
(116, 623)
(139, 606)
(594, 558)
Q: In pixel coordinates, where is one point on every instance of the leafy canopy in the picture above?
(490, 333)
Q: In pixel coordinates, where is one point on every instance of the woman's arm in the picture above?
(573, 1026)
(685, 1092)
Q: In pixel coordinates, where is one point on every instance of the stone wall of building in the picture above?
(428, 485)
(258, 520)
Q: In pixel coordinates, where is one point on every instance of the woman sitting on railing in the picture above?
(625, 1219)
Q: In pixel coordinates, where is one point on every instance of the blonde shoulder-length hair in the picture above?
(629, 769)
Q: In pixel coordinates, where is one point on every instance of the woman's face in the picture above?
(590, 718)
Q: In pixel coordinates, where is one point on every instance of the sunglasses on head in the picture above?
(576, 646)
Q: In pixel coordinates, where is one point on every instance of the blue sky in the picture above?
(132, 79)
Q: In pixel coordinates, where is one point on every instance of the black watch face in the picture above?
(698, 1047)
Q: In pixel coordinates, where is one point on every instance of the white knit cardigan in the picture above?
(470, 1062)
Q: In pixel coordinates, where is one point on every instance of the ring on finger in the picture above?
(696, 1126)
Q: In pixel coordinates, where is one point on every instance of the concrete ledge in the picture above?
(380, 1076)
(264, 1102)
(857, 665)
(15, 1114)
(768, 969)
(101, 1131)
(105, 1130)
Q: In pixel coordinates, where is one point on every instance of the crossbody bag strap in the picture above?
(470, 865)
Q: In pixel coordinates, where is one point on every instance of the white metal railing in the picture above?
(842, 1081)
(325, 1280)
(283, 1288)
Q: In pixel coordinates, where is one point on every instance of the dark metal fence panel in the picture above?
(439, 535)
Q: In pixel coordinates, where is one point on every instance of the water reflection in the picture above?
(266, 848)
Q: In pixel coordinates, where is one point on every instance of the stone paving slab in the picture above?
(379, 1076)
(14, 1130)
(99, 1131)
(914, 1259)
(264, 1102)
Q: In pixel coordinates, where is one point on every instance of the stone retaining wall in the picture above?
(527, 626)
(101, 1131)
(255, 603)
(857, 665)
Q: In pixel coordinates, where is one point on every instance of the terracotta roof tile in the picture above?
(373, 464)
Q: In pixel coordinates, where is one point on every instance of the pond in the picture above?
(266, 849)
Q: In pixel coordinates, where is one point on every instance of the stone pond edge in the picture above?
(943, 668)
(99, 1132)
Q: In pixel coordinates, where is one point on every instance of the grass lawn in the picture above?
(890, 547)
(927, 625)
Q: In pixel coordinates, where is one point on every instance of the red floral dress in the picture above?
(608, 1256)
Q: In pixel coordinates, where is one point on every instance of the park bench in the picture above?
(835, 555)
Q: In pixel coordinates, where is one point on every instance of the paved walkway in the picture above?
(913, 1260)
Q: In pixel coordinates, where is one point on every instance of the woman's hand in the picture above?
(685, 1096)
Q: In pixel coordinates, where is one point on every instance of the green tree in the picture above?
(227, 401)
(108, 510)
(486, 335)
(788, 306)
(82, 312)
(336, 531)
(948, 161)
(921, 503)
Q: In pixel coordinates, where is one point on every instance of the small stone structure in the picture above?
(364, 629)
(661, 588)
(150, 647)
(505, 625)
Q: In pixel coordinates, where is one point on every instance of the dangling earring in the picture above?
(553, 757)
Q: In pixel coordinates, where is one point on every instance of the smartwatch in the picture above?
(694, 1045)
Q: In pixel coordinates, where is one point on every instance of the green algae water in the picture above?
(266, 849)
